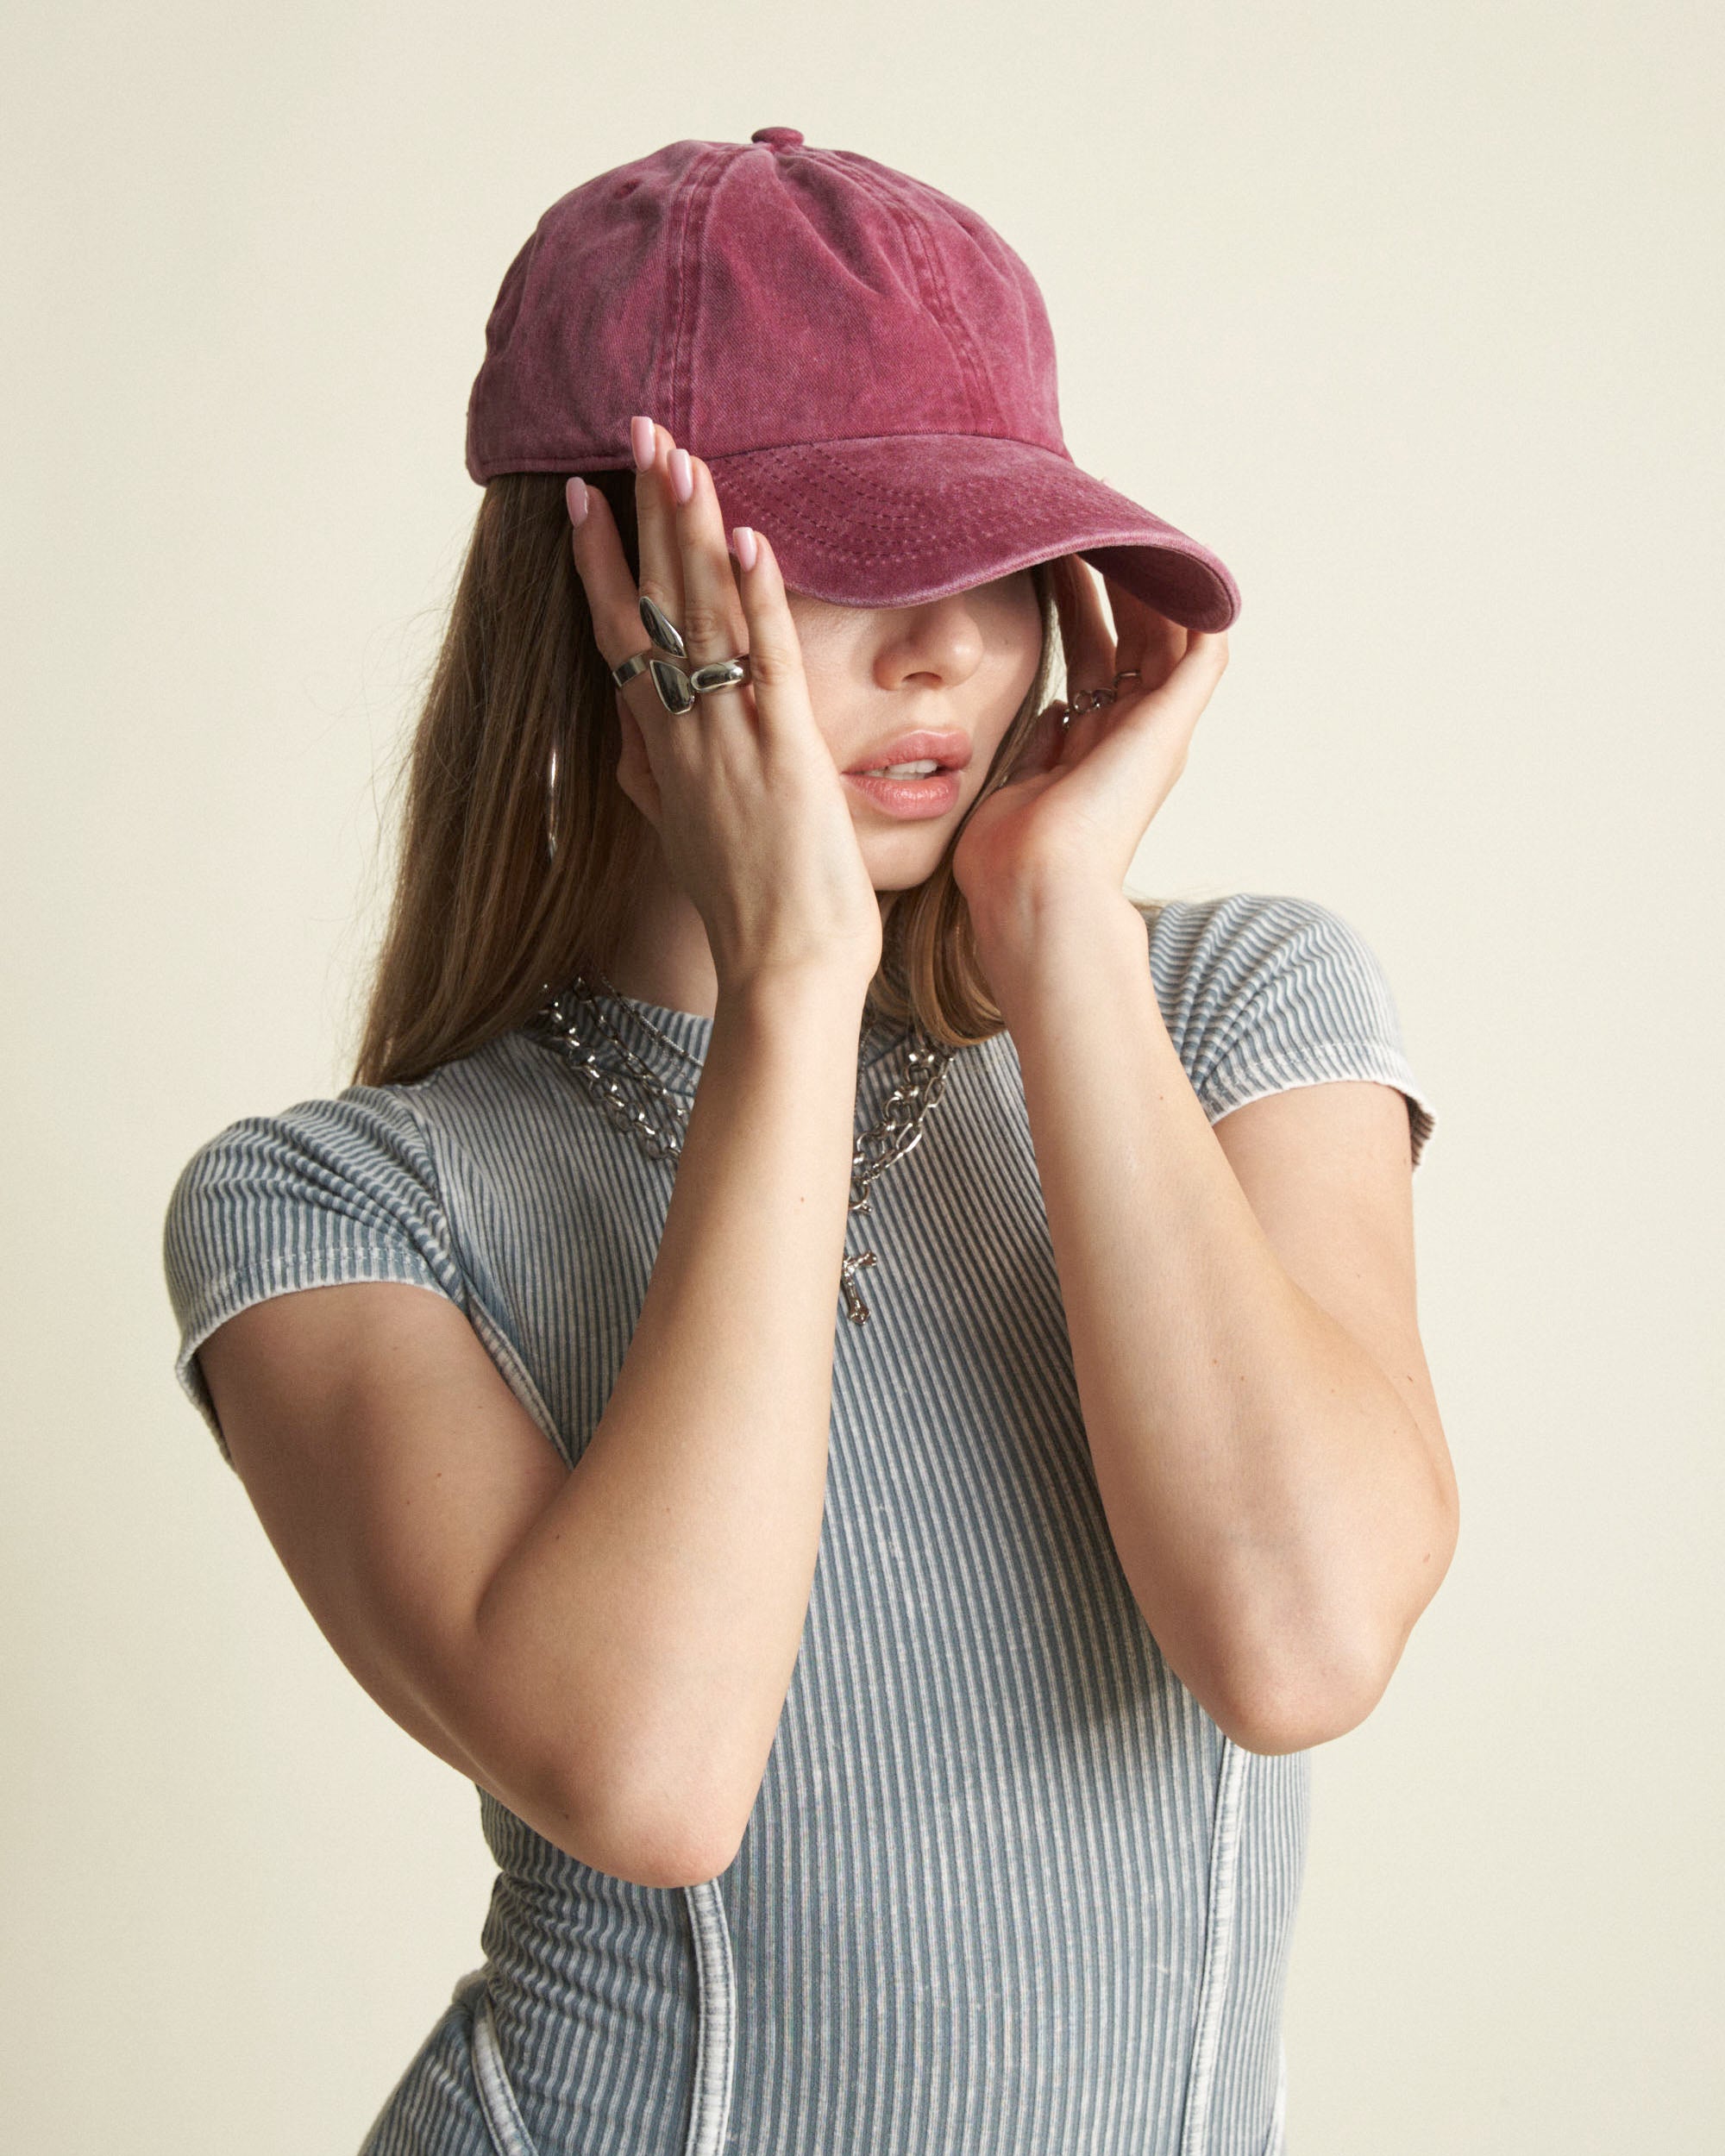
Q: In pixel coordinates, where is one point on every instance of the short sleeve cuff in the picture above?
(1243, 1078)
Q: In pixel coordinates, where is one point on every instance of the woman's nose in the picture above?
(942, 643)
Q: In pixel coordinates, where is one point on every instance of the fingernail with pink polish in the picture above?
(743, 538)
(682, 476)
(575, 493)
(640, 442)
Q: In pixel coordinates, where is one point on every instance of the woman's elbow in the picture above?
(1300, 1709)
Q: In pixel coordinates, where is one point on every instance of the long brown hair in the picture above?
(485, 916)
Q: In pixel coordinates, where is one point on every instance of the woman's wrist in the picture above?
(794, 996)
(1031, 929)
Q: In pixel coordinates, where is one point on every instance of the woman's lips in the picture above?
(910, 799)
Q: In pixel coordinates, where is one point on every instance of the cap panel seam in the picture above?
(674, 388)
(935, 294)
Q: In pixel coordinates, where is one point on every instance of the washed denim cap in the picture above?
(864, 365)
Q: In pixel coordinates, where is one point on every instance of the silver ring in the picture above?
(1128, 674)
(630, 667)
(1089, 699)
(661, 628)
(678, 687)
(721, 673)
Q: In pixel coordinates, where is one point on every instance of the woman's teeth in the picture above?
(903, 770)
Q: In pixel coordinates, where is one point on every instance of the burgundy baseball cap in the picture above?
(865, 365)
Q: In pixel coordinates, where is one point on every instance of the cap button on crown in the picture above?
(779, 138)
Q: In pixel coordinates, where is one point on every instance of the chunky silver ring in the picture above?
(662, 630)
(721, 673)
(678, 687)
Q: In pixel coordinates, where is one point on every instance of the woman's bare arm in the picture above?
(607, 1651)
(1241, 1306)
(700, 1499)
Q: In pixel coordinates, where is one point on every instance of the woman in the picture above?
(881, 1528)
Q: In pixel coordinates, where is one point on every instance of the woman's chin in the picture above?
(901, 864)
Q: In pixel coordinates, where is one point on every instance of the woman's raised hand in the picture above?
(1084, 791)
(742, 790)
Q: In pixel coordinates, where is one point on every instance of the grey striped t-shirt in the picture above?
(1007, 1888)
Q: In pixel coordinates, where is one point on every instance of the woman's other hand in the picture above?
(1085, 789)
(742, 789)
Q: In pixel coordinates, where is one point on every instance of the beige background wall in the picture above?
(1413, 313)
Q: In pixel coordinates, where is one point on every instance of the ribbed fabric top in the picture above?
(1006, 1889)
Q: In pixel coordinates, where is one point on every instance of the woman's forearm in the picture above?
(670, 1580)
(1269, 1495)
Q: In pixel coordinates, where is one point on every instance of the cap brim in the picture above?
(894, 520)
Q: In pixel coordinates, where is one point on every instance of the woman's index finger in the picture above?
(662, 564)
(597, 546)
(1147, 638)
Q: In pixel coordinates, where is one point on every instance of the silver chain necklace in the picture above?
(894, 1132)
